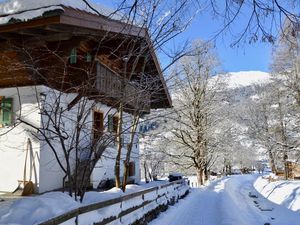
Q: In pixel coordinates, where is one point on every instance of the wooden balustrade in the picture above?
(160, 192)
(116, 87)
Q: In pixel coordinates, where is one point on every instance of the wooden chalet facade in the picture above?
(74, 52)
(41, 50)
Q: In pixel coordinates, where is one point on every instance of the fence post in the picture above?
(156, 191)
(121, 204)
(143, 198)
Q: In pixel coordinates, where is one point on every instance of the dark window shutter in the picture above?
(88, 57)
(131, 169)
(73, 56)
(98, 124)
(6, 106)
(115, 124)
(110, 123)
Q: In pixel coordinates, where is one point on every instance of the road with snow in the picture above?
(227, 202)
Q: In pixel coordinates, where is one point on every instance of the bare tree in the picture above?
(195, 104)
(271, 124)
(285, 69)
(258, 116)
(259, 20)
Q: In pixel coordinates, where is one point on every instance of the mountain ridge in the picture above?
(246, 78)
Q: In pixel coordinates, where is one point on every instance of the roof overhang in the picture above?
(61, 24)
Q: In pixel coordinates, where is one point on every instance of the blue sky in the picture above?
(255, 56)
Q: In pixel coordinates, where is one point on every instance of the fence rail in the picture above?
(75, 213)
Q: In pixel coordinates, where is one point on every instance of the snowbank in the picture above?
(285, 193)
(33, 210)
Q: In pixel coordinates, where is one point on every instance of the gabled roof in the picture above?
(56, 18)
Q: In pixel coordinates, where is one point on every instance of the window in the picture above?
(98, 124)
(5, 111)
(131, 171)
(113, 123)
(88, 57)
(73, 56)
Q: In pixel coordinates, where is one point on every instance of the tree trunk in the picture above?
(206, 173)
(134, 125)
(200, 176)
(283, 138)
(229, 169)
(272, 161)
(150, 176)
(286, 169)
(119, 146)
(145, 172)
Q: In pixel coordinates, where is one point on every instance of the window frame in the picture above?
(98, 132)
(113, 122)
(131, 169)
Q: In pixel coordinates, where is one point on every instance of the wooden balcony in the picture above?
(115, 87)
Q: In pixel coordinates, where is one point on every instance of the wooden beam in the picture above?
(88, 20)
(30, 32)
(61, 28)
(51, 37)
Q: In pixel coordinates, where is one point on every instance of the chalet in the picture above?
(59, 61)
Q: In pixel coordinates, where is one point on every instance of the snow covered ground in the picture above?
(227, 202)
(32, 210)
(285, 193)
(233, 200)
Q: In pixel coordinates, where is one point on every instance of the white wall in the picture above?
(13, 139)
(105, 167)
(49, 173)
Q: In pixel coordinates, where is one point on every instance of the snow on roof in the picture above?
(29, 9)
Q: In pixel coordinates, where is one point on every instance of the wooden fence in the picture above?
(126, 209)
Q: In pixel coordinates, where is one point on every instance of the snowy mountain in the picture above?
(246, 78)
(241, 85)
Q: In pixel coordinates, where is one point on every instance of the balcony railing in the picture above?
(114, 86)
